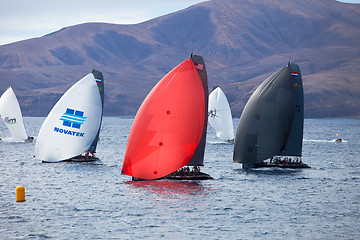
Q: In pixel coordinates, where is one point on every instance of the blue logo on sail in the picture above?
(73, 118)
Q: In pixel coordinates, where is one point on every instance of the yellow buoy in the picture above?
(20, 194)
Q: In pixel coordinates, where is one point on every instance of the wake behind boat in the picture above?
(272, 123)
(71, 130)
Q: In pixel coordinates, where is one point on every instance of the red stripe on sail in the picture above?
(168, 126)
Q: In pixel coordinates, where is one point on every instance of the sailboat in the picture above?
(72, 127)
(271, 124)
(11, 115)
(169, 129)
(338, 139)
(220, 115)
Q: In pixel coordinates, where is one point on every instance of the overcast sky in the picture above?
(24, 19)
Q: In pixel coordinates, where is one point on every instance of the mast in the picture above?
(198, 157)
(100, 83)
(295, 140)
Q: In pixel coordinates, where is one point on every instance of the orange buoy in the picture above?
(20, 194)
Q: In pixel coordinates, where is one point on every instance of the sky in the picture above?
(24, 19)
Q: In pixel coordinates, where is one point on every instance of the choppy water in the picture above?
(94, 201)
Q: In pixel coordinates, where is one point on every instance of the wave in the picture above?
(220, 143)
(322, 140)
(10, 140)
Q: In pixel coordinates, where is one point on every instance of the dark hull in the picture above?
(82, 159)
(29, 140)
(140, 179)
(280, 165)
(193, 176)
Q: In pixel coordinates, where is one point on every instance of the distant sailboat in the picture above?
(72, 127)
(271, 124)
(338, 139)
(169, 129)
(11, 115)
(220, 115)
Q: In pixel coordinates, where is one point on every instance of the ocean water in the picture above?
(94, 201)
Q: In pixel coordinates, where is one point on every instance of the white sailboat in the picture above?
(220, 115)
(72, 126)
(11, 115)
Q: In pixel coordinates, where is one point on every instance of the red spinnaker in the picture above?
(168, 126)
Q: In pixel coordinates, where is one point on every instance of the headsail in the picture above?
(72, 124)
(266, 120)
(220, 115)
(100, 83)
(168, 126)
(11, 115)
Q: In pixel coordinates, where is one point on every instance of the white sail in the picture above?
(72, 124)
(220, 115)
(11, 114)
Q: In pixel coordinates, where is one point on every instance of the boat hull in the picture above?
(29, 140)
(193, 176)
(78, 159)
(279, 165)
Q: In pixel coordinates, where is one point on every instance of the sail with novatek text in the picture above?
(169, 124)
(73, 123)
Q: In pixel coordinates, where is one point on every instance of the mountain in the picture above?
(242, 42)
